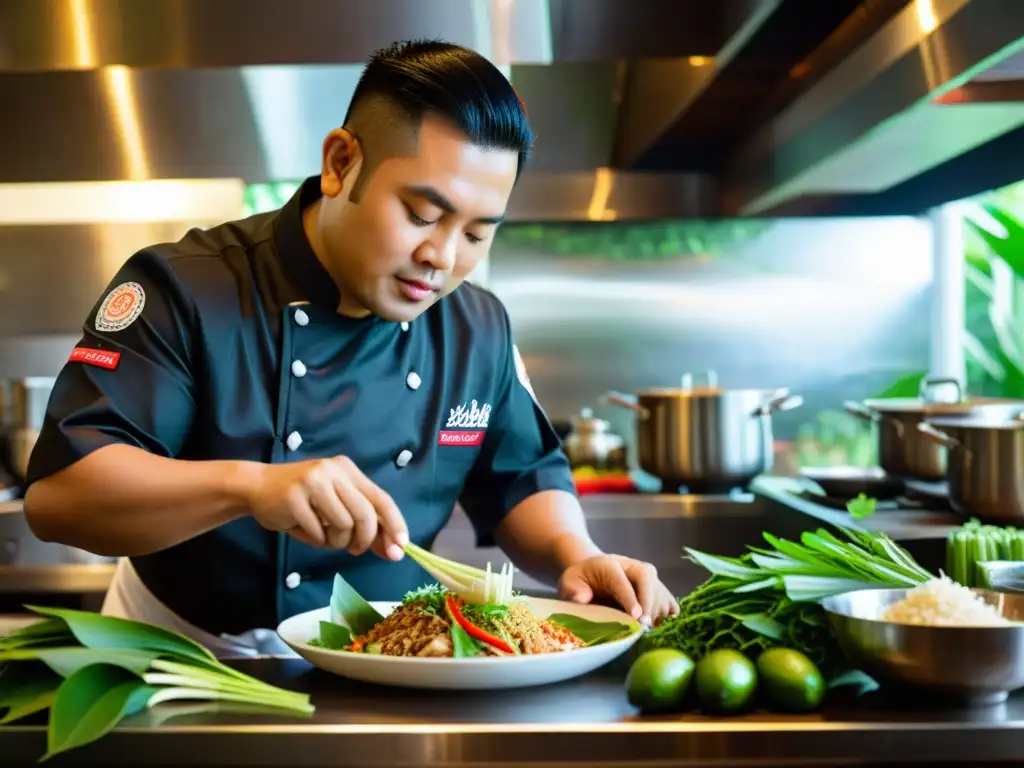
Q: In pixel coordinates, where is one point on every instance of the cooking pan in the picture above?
(705, 438)
(904, 451)
(986, 465)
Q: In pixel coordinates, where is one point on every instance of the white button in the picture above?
(292, 580)
(301, 317)
(294, 441)
(413, 380)
(403, 458)
(405, 326)
(298, 368)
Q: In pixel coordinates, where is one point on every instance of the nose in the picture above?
(438, 252)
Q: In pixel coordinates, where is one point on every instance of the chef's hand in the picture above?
(632, 583)
(328, 502)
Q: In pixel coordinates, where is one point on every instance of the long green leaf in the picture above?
(100, 632)
(809, 588)
(333, 637)
(25, 689)
(91, 702)
(594, 632)
(723, 566)
(66, 661)
(350, 609)
(757, 586)
(42, 632)
(764, 625)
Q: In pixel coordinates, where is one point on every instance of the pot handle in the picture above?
(781, 401)
(686, 380)
(936, 436)
(625, 401)
(927, 383)
(861, 411)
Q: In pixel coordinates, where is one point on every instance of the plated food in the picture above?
(433, 622)
(435, 638)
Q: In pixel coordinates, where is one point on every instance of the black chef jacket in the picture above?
(226, 345)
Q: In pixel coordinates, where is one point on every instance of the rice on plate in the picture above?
(942, 602)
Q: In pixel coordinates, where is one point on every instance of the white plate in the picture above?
(485, 673)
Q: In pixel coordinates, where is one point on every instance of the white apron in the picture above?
(128, 598)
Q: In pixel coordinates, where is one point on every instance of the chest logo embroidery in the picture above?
(466, 425)
(121, 307)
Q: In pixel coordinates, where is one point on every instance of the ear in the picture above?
(341, 157)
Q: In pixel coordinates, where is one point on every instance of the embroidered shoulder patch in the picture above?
(121, 307)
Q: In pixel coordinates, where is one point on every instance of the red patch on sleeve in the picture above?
(98, 357)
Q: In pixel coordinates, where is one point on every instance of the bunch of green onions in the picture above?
(770, 596)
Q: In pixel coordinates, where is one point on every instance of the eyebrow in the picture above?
(434, 196)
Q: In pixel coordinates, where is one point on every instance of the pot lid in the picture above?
(912, 404)
(965, 407)
(981, 421)
(586, 422)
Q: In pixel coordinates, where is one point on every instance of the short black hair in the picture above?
(453, 82)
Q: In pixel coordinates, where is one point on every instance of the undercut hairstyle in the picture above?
(408, 80)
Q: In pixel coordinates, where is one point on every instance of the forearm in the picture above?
(545, 534)
(121, 501)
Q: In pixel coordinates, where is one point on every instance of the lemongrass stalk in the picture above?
(176, 694)
(245, 682)
(178, 681)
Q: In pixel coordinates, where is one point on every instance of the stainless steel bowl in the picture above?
(972, 665)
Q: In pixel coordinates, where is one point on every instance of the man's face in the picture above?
(420, 222)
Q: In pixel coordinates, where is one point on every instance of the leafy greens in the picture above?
(91, 671)
(770, 596)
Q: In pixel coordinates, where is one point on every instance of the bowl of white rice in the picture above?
(939, 638)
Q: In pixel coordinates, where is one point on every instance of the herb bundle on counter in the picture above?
(769, 597)
(91, 671)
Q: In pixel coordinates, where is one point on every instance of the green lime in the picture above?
(790, 680)
(658, 680)
(726, 681)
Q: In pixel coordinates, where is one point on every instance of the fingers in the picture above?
(618, 586)
(356, 513)
(387, 512)
(573, 587)
(644, 578)
(361, 513)
(308, 525)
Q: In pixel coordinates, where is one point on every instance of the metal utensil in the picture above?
(708, 437)
(986, 466)
(969, 665)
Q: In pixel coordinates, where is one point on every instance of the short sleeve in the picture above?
(128, 380)
(522, 454)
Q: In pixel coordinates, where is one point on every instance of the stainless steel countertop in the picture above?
(901, 525)
(586, 722)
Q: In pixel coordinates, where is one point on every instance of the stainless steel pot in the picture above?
(705, 438)
(986, 465)
(20, 549)
(591, 444)
(903, 451)
(29, 398)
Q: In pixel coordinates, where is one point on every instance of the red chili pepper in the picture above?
(473, 630)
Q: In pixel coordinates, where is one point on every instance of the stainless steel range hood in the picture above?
(647, 109)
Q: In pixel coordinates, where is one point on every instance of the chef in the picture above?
(266, 403)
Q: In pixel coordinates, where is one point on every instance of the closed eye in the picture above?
(419, 221)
